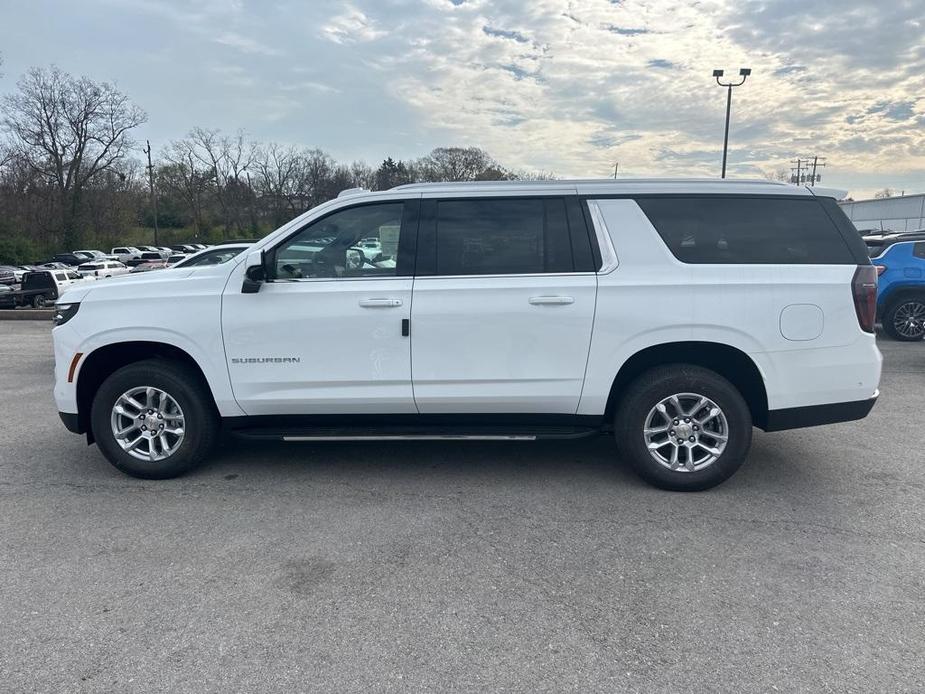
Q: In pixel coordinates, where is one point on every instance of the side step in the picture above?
(414, 433)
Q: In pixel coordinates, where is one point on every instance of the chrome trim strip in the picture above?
(413, 437)
(608, 254)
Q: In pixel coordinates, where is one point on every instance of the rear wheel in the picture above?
(154, 419)
(39, 301)
(683, 427)
(904, 319)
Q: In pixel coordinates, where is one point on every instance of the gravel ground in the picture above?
(439, 566)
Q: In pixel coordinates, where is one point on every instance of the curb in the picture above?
(27, 314)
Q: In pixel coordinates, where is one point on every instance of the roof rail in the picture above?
(351, 191)
(572, 181)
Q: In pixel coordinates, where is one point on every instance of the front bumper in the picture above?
(71, 422)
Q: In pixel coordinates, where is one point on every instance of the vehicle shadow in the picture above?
(777, 464)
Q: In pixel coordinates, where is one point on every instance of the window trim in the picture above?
(609, 259)
(425, 265)
(407, 242)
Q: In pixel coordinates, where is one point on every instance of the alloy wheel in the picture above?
(686, 432)
(909, 319)
(148, 423)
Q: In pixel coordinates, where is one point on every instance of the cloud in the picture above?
(350, 27)
(244, 44)
(564, 85)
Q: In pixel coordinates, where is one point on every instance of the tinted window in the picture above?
(495, 237)
(919, 250)
(747, 230)
(360, 241)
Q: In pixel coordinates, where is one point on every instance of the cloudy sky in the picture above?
(569, 86)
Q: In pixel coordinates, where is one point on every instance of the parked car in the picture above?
(53, 266)
(90, 254)
(153, 249)
(125, 253)
(675, 315)
(68, 259)
(901, 295)
(102, 268)
(7, 296)
(42, 287)
(7, 274)
(878, 243)
(216, 255)
(187, 248)
(145, 257)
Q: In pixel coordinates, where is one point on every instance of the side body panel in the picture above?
(651, 298)
(493, 344)
(178, 309)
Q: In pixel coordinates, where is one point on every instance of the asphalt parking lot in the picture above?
(460, 566)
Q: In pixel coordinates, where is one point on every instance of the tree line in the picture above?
(72, 174)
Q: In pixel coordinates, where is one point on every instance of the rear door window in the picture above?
(502, 237)
(747, 230)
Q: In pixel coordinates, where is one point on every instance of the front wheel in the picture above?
(39, 301)
(154, 419)
(904, 319)
(683, 427)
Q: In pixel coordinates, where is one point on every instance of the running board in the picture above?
(417, 437)
(414, 433)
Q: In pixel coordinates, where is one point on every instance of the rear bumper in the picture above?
(816, 415)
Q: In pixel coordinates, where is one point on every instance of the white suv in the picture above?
(674, 314)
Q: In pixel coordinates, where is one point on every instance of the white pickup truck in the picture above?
(674, 315)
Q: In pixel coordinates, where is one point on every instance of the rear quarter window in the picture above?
(748, 230)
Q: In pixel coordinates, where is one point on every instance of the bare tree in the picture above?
(459, 164)
(278, 170)
(185, 176)
(228, 159)
(69, 130)
(782, 175)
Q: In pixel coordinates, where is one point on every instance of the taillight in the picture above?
(864, 291)
(880, 269)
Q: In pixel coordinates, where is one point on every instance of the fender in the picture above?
(209, 358)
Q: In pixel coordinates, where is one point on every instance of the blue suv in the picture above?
(901, 296)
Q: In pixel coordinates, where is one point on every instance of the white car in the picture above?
(125, 253)
(90, 254)
(102, 269)
(674, 315)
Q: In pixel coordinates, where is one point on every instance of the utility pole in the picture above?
(616, 167)
(151, 187)
(803, 166)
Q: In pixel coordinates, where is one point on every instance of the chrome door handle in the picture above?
(380, 303)
(551, 300)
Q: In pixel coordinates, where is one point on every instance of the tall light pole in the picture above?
(151, 187)
(743, 73)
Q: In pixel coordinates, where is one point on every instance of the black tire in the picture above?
(647, 391)
(39, 301)
(185, 386)
(892, 314)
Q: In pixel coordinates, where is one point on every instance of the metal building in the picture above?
(903, 213)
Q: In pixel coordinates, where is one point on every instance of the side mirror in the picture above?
(255, 272)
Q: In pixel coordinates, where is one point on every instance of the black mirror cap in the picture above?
(254, 276)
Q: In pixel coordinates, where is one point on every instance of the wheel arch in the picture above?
(730, 362)
(102, 362)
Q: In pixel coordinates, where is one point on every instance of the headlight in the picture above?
(64, 312)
